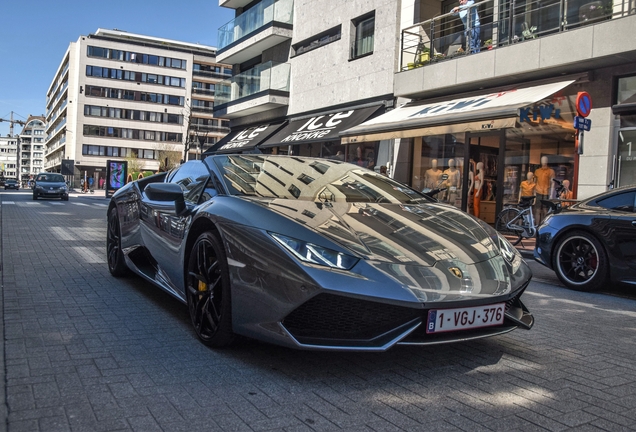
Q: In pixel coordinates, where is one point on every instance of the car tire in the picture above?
(35, 197)
(65, 198)
(501, 225)
(580, 261)
(114, 255)
(208, 291)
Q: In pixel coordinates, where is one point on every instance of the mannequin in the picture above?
(545, 187)
(432, 175)
(567, 194)
(453, 183)
(528, 187)
(478, 185)
(471, 183)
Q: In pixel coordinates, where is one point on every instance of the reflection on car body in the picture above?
(315, 254)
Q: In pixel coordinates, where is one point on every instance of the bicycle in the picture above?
(517, 222)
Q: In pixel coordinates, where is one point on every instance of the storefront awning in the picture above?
(243, 139)
(471, 114)
(320, 128)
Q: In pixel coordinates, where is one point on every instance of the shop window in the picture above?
(363, 35)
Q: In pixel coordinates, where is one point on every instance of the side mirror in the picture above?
(166, 192)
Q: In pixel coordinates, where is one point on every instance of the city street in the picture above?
(84, 351)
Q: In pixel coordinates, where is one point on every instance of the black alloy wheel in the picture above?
(208, 291)
(580, 261)
(509, 217)
(114, 255)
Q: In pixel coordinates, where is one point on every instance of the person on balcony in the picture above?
(472, 27)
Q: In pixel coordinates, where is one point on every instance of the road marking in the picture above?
(101, 205)
(80, 204)
(57, 203)
(8, 202)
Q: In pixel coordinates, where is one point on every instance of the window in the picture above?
(192, 177)
(363, 35)
(621, 202)
(321, 39)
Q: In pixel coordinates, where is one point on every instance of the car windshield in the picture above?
(311, 179)
(50, 178)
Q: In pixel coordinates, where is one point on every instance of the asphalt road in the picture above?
(83, 351)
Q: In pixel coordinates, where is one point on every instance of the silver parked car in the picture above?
(50, 185)
(315, 254)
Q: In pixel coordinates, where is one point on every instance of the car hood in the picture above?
(420, 234)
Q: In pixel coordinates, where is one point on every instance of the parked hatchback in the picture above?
(50, 185)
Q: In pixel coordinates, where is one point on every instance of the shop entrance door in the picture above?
(485, 172)
(626, 160)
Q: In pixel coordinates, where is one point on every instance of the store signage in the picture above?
(583, 104)
(582, 123)
(543, 112)
(244, 138)
(317, 127)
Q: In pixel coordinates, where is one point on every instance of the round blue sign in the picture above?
(583, 104)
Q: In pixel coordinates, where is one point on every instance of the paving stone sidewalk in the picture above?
(87, 352)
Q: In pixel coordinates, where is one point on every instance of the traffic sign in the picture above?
(581, 123)
(583, 104)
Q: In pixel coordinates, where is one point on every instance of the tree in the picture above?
(169, 156)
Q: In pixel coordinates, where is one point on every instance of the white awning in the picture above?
(475, 113)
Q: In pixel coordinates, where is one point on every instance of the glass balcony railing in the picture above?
(266, 76)
(491, 24)
(254, 18)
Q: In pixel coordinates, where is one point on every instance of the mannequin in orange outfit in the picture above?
(545, 187)
(479, 183)
(528, 187)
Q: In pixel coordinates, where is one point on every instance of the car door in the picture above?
(163, 229)
(623, 233)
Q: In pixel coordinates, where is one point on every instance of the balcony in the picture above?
(518, 42)
(234, 4)
(202, 91)
(259, 89)
(261, 27)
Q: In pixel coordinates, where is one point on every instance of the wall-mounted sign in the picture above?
(583, 104)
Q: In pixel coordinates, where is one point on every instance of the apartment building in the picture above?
(303, 72)
(30, 156)
(506, 107)
(8, 157)
(491, 96)
(123, 96)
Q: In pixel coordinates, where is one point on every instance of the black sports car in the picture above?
(592, 242)
(314, 253)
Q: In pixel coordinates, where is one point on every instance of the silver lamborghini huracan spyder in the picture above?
(315, 254)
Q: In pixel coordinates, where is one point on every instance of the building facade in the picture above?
(303, 72)
(486, 94)
(31, 148)
(8, 157)
(545, 54)
(122, 96)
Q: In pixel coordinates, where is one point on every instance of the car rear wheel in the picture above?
(114, 255)
(208, 291)
(580, 261)
(506, 219)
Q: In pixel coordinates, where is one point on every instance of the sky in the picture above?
(34, 35)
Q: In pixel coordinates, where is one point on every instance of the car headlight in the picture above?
(311, 253)
(38, 187)
(510, 253)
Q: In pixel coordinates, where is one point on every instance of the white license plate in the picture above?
(443, 320)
